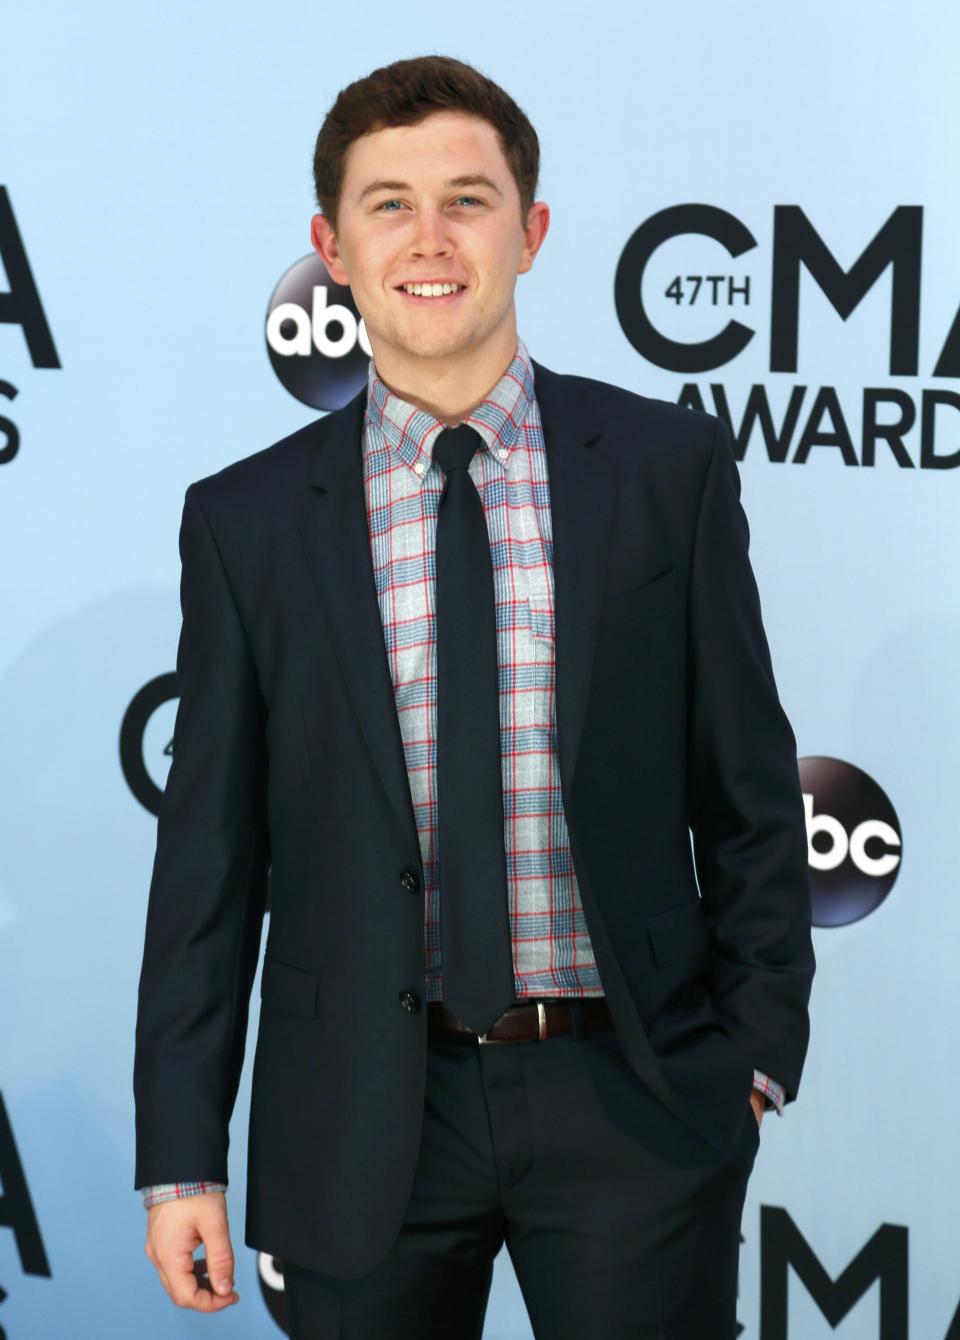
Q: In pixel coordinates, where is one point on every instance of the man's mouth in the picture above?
(440, 291)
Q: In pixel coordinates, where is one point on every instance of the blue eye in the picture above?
(385, 203)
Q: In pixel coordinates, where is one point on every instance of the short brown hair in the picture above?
(406, 92)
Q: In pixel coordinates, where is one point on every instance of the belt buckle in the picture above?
(541, 1026)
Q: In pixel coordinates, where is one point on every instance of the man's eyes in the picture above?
(384, 204)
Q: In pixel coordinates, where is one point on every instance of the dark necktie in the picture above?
(474, 915)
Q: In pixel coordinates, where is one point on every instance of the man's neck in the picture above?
(449, 389)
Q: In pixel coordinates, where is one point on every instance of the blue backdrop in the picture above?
(155, 165)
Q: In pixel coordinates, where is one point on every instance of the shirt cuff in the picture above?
(153, 1195)
(773, 1092)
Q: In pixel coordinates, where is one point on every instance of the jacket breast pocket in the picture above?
(287, 988)
(678, 934)
(637, 599)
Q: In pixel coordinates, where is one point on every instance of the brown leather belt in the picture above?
(528, 1021)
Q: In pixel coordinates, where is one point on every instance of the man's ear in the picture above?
(324, 242)
(538, 221)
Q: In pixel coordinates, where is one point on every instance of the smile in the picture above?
(441, 293)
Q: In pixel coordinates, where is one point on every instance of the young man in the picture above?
(464, 664)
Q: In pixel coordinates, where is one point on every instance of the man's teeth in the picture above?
(431, 290)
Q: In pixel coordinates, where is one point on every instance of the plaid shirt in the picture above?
(552, 954)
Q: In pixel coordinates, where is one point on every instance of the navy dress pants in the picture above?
(621, 1223)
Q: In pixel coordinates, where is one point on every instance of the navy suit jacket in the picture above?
(288, 763)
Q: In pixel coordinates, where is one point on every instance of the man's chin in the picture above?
(435, 344)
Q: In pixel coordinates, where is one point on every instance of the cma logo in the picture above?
(20, 305)
(316, 340)
(653, 295)
(148, 733)
(18, 1212)
(854, 841)
(140, 739)
(883, 1261)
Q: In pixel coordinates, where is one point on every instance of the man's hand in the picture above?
(174, 1229)
(758, 1104)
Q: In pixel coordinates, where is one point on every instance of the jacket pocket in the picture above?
(678, 934)
(287, 988)
(632, 602)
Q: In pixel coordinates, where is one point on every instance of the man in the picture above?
(465, 665)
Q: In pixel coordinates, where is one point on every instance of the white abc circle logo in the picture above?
(292, 332)
(854, 842)
(854, 845)
(273, 1289)
(316, 339)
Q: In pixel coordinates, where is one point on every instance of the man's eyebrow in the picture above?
(468, 179)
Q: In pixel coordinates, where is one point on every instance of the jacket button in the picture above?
(410, 1001)
(409, 880)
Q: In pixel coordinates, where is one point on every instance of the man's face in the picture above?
(432, 202)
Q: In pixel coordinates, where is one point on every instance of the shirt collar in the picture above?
(411, 431)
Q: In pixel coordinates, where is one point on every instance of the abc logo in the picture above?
(272, 1290)
(316, 339)
(853, 840)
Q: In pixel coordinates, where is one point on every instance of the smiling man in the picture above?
(432, 253)
(474, 670)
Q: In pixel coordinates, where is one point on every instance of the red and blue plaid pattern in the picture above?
(153, 1195)
(552, 953)
(551, 947)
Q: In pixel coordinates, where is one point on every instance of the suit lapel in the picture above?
(336, 543)
(582, 495)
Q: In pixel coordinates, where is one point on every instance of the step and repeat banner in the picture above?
(754, 212)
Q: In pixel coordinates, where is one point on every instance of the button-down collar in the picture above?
(412, 431)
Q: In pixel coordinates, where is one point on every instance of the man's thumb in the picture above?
(219, 1260)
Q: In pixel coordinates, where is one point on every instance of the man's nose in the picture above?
(431, 235)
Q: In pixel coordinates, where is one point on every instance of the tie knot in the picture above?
(454, 447)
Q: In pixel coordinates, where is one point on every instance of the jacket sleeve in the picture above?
(208, 887)
(745, 804)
